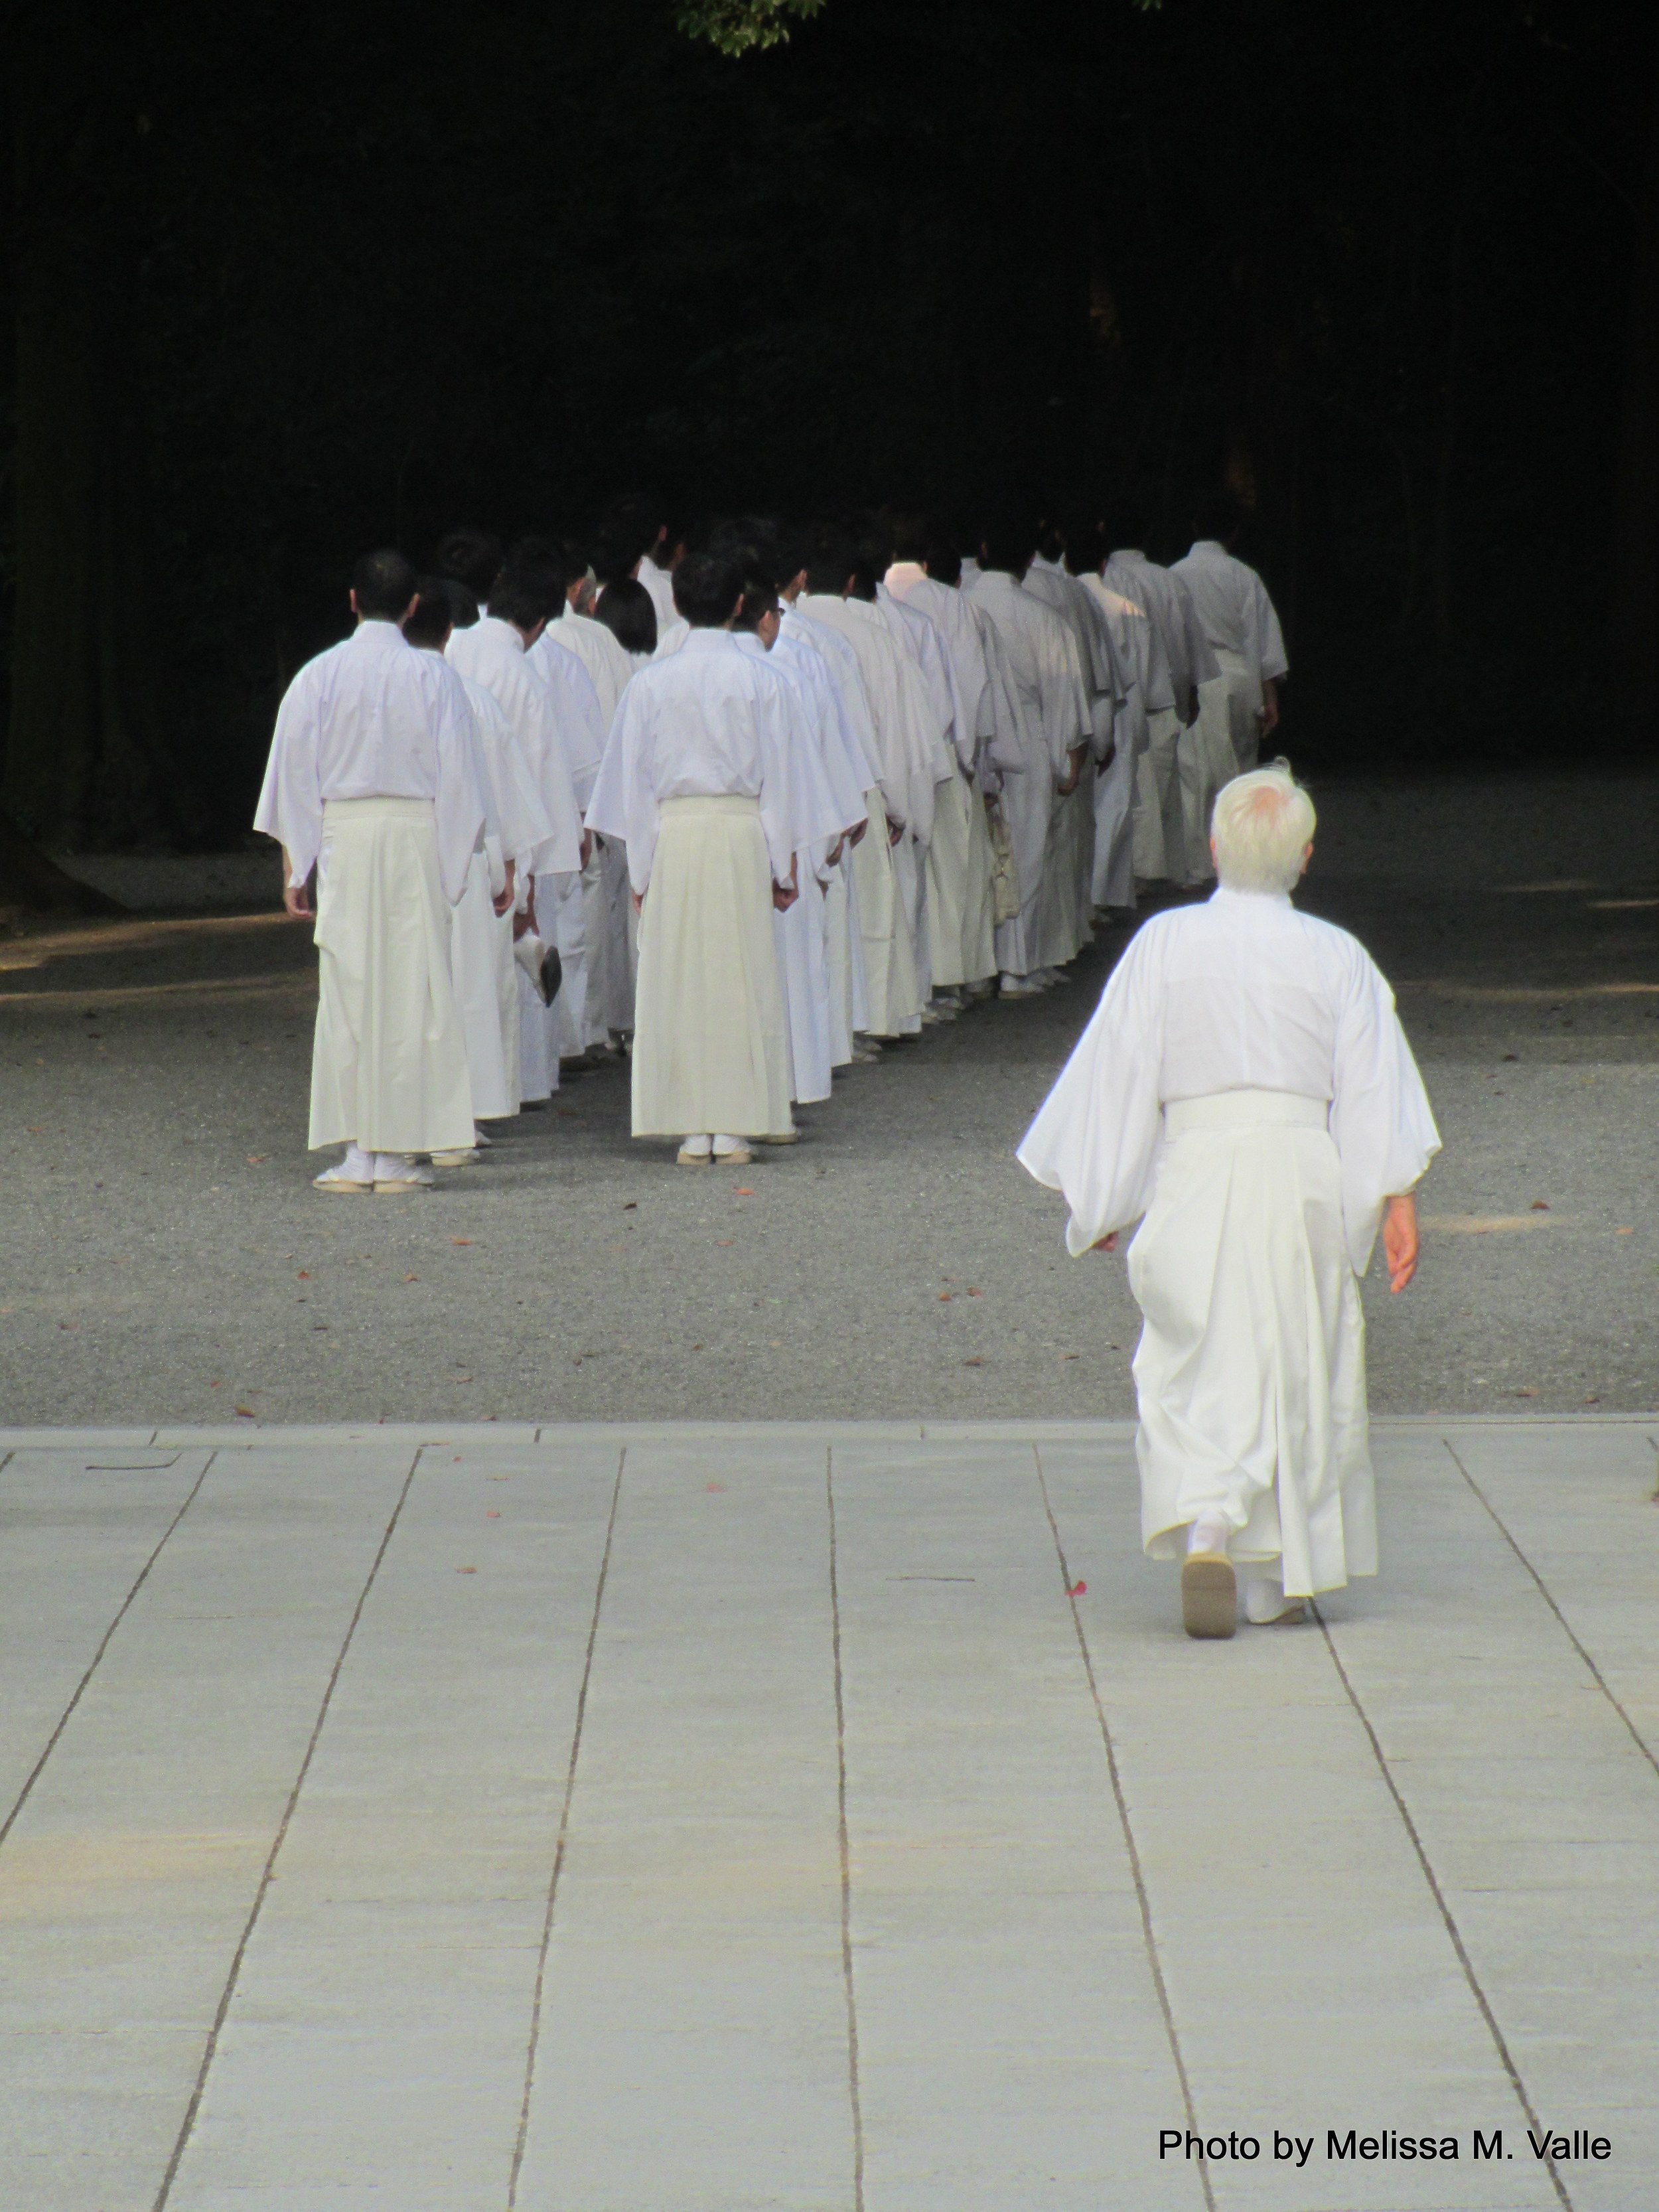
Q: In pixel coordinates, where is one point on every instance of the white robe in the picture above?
(1245, 1086)
(608, 979)
(660, 582)
(883, 871)
(1238, 620)
(1046, 684)
(373, 780)
(1145, 717)
(707, 755)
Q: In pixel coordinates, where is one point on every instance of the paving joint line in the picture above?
(521, 2140)
(1448, 1919)
(268, 1876)
(853, 2089)
(1137, 1872)
(127, 1602)
(1565, 1626)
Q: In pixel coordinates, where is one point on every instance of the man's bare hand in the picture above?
(638, 901)
(296, 899)
(784, 897)
(895, 831)
(503, 901)
(855, 836)
(1268, 718)
(1399, 1241)
(587, 847)
(1108, 1244)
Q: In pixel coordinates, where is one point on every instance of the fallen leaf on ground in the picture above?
(304, 1275)
(724, 1243)
(632, 1205)
(466, 1571)
(973, 1363)
(1525, 1394)
(411, 1279)
(976, 1294)
(1079, 1590)
(1070, 1355)
(1591, 1401)
(460, 1240)
(492, 1514)
(743, 1191)
(1541, 1206)
(256, 1159)
(1624, 1232)
(714, 1485)
(944, 1298)
(697, 1347)
(246, 1413)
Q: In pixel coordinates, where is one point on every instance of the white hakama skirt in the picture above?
(475, 943)
(1250, 1372)
(1028, 800)
(1112, 878)
(948, 859)
(979, 951)
(798, 934)
(388, 1067)
(1243, 705)
(1160, 832)
(711, 1053)
(885, 934)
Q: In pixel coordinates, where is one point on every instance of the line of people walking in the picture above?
(748, 809)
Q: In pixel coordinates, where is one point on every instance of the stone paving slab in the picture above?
(692, 1819)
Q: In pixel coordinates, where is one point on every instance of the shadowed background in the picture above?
(287, 281)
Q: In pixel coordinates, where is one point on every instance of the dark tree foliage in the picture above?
(317, 277)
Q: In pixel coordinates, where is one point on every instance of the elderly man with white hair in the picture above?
(1246, 1087)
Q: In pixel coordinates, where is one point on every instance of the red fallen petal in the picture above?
(743, 1193)
(1079, 1590)
(492, 1514)
(944, 1298)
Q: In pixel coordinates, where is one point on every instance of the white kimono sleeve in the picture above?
(458, 807)
(1098, 1135)
(290, 806)
(1380, 1118)
(624, 801)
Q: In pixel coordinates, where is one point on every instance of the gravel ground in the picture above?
(166, 1258)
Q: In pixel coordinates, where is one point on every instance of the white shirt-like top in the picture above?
(905, 746)
(909, 581)
(582, 725)
(1045, 670)
(608, 666)
(842, 664)
(1240, 994)
(1168, 604)
(521, 826)
(713, 721)
(491, 653)
(797, 656)
(373, 718)
(1234, 610)
(923, 643)
(660, 582)
(1141, 658)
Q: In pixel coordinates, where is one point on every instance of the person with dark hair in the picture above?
(848, 987)
(1069, 868)
(551, 725)
(1202, 764)
(1238, 619)
(1144, 732)
(1056, 726)
(472, 557)
(578, 915)
(628, 614)
(802, 930)
(637, 530)
(481, 924)
(959, 858)
(699, 782)
(902, 805)
(371, 781)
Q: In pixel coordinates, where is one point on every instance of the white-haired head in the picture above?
(1261, 830)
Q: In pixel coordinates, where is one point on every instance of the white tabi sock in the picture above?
(1211, 1531)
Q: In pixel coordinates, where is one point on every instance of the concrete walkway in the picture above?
(813, 1818)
